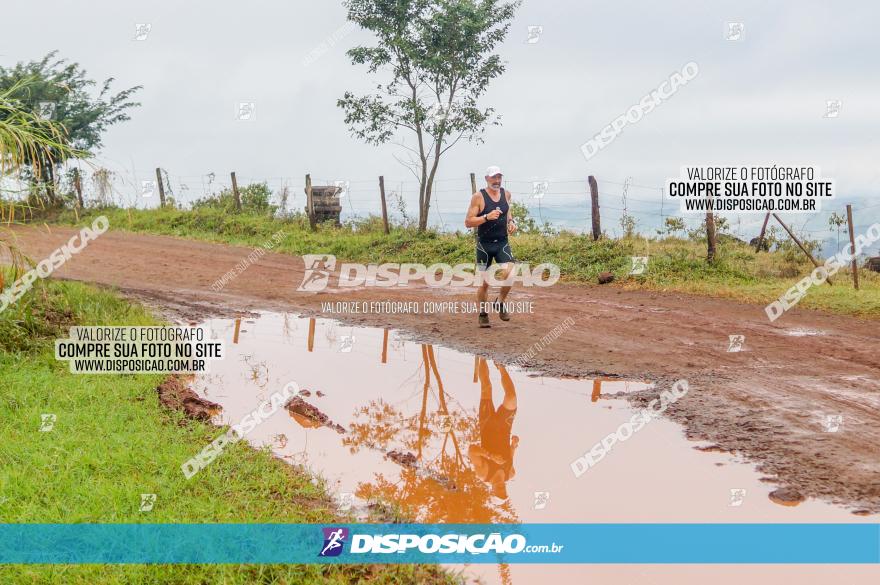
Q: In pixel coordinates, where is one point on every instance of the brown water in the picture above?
(448, 437)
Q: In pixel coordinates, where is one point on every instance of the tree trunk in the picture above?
(423, 186)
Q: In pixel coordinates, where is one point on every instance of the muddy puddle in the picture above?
(447, 437)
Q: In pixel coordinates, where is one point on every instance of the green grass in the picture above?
(675, 264)
(112, 441)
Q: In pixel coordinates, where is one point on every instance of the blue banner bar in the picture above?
(441, 543)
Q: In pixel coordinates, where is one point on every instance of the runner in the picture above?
(493, 456)
(489, 212)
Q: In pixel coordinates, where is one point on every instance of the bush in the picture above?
(255, 199)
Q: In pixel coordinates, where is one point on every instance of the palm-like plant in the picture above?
(24, 136)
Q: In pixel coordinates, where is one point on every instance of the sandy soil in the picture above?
(769, 402)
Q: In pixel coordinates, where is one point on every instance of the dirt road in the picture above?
(776, 402)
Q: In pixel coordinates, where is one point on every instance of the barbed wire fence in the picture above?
(557, 204)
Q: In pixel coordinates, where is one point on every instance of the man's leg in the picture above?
(485, 381)
(509, 390)
(482, 264)
(506, 260)
(503, 275)
(482, 293)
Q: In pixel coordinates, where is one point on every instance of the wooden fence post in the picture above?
(161, 185)
(473, 183)
(235, 192)
(310, 204)
(761, 236)
(594, 198)
(77, 184)
(384, 209)
(710, 236)
(800, 245)
(852, 242)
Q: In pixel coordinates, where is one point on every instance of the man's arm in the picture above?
(511, 224)
(473, 218)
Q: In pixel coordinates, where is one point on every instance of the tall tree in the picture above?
(435, 59)
(54, 89)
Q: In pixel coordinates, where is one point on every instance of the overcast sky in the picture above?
(761, 99)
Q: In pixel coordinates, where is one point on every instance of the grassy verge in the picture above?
(675, 264)
(111, 442)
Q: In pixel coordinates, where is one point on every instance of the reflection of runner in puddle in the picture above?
(493, 456)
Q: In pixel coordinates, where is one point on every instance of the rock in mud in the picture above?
(176, 395)
(310, 416)
(406, 459)
(786, 497)
(299, 406)
(605, 277)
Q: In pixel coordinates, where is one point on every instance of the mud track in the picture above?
(767, 402)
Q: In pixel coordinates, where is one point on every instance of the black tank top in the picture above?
(493, 230)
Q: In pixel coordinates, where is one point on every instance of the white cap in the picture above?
(493, 170)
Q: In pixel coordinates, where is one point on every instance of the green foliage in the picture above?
(628, 225)
(672, 226)
(526, 224)
(722, 226)
(55, 89)
(836, 222)
(255, 199)
(436, 61)
(794, 259)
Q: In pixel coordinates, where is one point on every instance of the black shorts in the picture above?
(499, 251)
